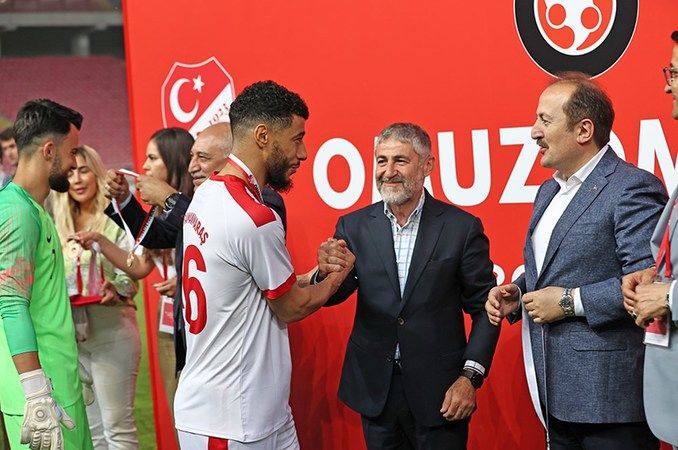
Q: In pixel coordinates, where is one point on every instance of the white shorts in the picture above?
(285, 438)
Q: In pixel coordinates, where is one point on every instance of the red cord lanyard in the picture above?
(664, 253)
(164, 267)
(249, 177)
(145, 226)
(78, 273)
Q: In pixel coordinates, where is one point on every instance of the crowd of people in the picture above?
(596, 300)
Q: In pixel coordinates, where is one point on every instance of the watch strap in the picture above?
(475, 377)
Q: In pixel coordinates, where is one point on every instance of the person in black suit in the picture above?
(208, 155)
(420, 263)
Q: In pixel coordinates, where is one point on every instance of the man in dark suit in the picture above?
(420, 263)
(650, 297)
(590, 226)
(208, 155)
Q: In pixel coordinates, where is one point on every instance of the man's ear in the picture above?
(428, 165)
(261, 135)
(48, 150)
(585, 131)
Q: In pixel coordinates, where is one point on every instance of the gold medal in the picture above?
(145, 226)
(130, 258)
(73, 249)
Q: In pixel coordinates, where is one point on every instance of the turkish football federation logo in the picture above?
(195, 96)
(582, 35)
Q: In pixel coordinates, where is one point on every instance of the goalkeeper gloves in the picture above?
(42, 415)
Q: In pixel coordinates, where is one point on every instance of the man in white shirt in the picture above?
(239, 286)
(583, 353)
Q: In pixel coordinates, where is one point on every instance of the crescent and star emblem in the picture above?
(179, 113)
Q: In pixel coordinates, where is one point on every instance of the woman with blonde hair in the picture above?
(167, 158)
(103, 308)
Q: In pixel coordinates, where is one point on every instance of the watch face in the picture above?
(171, 201)
(567, 303)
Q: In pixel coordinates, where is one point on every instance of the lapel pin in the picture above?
(595, 187)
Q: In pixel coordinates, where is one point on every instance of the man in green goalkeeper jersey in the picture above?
(40, 392)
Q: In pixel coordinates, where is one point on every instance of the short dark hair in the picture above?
(588, 101)
(174, 146)
(7, 134)
(41, 117)
(674, 36)
(265, 102)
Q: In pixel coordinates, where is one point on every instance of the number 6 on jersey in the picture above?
(196, 322)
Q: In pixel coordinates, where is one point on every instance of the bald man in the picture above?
(208, 155)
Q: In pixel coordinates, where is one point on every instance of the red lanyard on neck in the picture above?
(249, 180)
(664, 253)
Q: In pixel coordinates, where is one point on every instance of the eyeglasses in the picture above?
(670, 74)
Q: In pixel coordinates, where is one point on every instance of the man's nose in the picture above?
(390, 170)
(193, 165)
(302, 154)
(535, 132)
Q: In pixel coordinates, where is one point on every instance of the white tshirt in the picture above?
(236, 381)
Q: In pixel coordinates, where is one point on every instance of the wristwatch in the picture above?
(567, 302)
(475, 377)
(170, 202)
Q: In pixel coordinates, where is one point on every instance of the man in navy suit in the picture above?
(589, 227)
(420, 263)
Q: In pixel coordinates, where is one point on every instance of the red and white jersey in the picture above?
(236, 381)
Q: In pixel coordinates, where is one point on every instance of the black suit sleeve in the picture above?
(350, 284)
(179, 324)
(476, 279)
(275, 201)
(163, 232)
(175, 218)
(518, 313)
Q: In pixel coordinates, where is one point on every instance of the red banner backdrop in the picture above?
(470, 73)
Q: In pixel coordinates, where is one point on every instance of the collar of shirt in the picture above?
(580, 175)
(249, 175)
(414, 214)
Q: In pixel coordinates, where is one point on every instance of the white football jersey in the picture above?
(236, 382)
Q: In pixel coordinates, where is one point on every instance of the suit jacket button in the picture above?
(389, 358)
(401, 321)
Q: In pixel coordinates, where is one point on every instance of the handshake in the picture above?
(333, 256)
